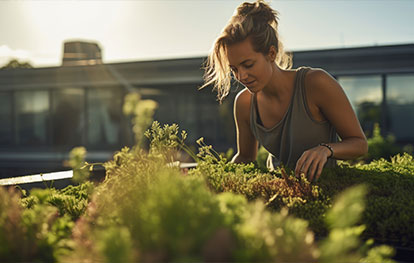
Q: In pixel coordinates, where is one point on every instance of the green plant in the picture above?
(163, 215)
(343, 241)
(141, 112)
(35, 234)
(387, 217)
(77, 163)
(165, 141)
(381, 147)
(148, 210)
(71, 201)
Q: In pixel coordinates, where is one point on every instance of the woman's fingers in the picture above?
(299, 164)
(320, 168)
(302, 165)
(311, 163)
(313, 167)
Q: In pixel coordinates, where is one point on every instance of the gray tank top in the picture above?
(295, 133)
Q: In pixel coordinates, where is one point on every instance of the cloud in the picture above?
(6, 53)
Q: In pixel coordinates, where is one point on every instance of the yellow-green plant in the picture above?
(165, 141)
(141, 112)
(77, 163)
(35, 234)
(343, 242)
(380, 146)
(147, 210)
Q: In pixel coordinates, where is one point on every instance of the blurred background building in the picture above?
(45, 112)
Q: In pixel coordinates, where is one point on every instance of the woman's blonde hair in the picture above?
(259, 22)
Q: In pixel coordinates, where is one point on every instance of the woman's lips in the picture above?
(249, 83)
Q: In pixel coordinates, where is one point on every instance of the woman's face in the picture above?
(254, 70)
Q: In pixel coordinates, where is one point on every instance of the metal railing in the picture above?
(55, 176)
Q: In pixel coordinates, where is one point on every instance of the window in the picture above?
(104, 116)
(187, 108)
(400, 105)
(365, 94)
(166, 110)
(6, 128)
(68, 117)
(32, 117)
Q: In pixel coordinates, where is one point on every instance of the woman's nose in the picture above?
(241, 75)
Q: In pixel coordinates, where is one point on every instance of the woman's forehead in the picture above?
(239, 52)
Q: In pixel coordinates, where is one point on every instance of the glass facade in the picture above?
(104, 114)
(209, 118)
(166, 112)
(400, 106)
(6, 127)
(71, 116)
(365, 94)
(187, 114)
(68, 117)
(32, 117)
(195, 111)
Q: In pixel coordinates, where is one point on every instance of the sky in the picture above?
(34, 31)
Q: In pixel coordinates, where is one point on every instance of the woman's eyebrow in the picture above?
(243, 62)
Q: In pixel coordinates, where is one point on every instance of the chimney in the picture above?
(81, 53)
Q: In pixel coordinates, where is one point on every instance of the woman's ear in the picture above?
(271, 55)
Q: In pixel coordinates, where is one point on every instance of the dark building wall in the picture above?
(37, 103)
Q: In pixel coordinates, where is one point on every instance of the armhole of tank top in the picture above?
(256, 110)
(252, 113)
(305, 98)
(251, 107)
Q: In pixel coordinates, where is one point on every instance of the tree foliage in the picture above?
(14, 64)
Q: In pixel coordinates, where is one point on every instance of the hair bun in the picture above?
(259, 11)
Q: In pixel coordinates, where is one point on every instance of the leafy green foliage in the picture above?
(164, 215)
(77, 163)
(165, 141)
(116, 244)
(389, 211)
(343, 239)
(37, 234)
(14, 64)
(37, 228)
(141, 112)
(381, 147)
(148, 210)
(388, 214)
(261, 159)
(71, 201)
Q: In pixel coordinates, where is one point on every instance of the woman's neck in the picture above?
(280, 85)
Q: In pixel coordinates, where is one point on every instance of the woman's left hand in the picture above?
(312, 162)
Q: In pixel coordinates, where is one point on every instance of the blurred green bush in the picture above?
(148, 210)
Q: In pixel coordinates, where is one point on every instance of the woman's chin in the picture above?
(253, 89)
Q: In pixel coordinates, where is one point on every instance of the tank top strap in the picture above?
(299, 95)
(300, 80)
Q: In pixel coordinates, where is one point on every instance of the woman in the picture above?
(295, 114)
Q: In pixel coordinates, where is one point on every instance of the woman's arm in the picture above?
(325, 93)
(246, 142)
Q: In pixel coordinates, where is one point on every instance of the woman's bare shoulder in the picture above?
(243, 98)
(242, 104)
(319, 77)
(321, 85)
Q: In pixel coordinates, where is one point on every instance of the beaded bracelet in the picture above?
(329, 147)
